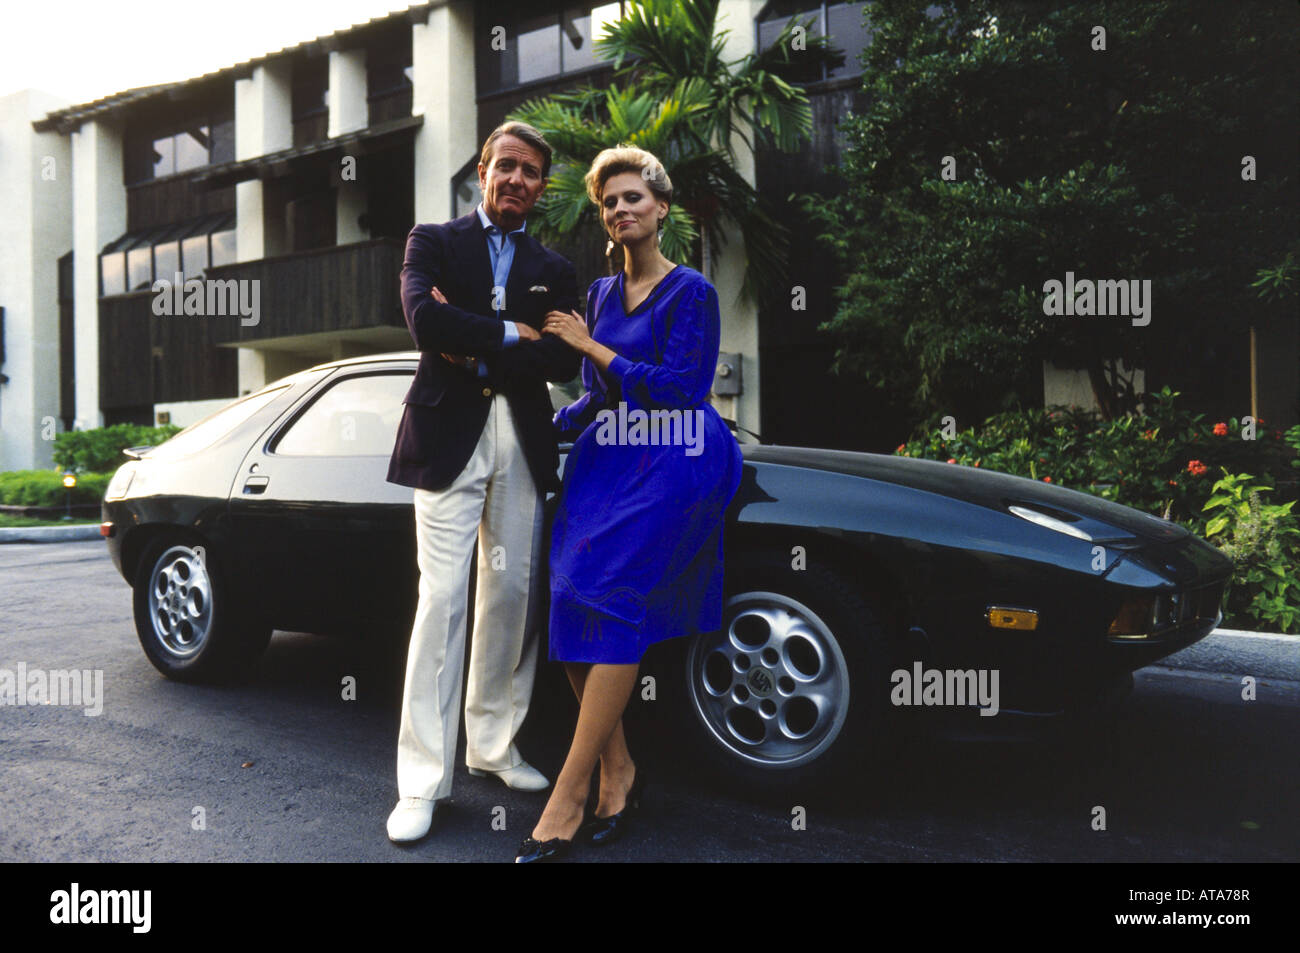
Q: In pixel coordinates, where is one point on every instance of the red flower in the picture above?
(901, 447)
(1173, 482)
(977, 463)
(1196, 467)
(1148, 435)
(952, 459)
(1047, 479)
(1220, 430)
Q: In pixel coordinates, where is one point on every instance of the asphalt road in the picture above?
(284, 769)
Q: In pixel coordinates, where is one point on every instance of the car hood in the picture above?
(982, 487)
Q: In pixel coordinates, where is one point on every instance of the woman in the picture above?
(636, 550)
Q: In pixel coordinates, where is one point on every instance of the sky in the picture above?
(83, 50)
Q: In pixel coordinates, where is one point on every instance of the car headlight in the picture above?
(121, 482)
(1149, 614)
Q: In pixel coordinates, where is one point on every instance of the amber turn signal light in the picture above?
(1002, 617)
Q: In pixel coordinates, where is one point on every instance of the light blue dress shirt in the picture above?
(501, 248)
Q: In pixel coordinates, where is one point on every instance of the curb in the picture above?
(49, 534)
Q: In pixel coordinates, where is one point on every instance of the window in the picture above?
(194, 255)
(212, 428)
(223, 248)
(355, 417)
(842, 22)
(135, 260)
(541, 46)
(166, 260)
(139, 268)
(164, 156)
(171, 146)
(845, 27)
(112, 274)
(191, 148)
(465, 188)
(577, 50)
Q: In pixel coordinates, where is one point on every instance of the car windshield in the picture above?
(210, 429)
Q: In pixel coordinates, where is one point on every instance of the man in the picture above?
(476, 443)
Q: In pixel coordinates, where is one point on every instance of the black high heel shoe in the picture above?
(606, 830)
(531, 851)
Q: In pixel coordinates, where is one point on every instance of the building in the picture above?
(302, 171)
(35, 275)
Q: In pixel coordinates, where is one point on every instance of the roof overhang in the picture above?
(67, 120)
(374, 138)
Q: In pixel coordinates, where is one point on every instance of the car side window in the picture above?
(356, 416)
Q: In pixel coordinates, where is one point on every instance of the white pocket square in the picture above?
(539, 289)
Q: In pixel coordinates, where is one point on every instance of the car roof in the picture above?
(369, 359)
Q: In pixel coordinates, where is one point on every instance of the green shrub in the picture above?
(100, 450)
(45, 488)
(1263, 542)
(1158, 463)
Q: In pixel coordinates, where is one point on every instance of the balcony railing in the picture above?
(147, 358)
(345, 287)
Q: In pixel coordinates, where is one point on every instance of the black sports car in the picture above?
(859, 585)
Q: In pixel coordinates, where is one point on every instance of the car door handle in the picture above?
(256, 484)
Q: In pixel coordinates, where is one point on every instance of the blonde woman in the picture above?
(636, 552)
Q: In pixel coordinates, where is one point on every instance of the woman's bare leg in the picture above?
(605, 693)
(617, 771)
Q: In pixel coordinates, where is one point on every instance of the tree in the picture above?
(676, 96)
(1102, 139)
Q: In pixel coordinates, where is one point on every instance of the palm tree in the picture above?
(676, 96)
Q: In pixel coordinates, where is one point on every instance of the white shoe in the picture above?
(522, 777)
(411, 819)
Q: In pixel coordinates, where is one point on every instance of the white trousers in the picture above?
(494, 499)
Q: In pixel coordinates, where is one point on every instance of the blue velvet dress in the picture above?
(636, 545)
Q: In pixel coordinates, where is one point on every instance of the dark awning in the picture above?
(142, 238)
(375, 138)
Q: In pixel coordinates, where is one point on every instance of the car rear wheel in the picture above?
(191, 624)
(793, 690)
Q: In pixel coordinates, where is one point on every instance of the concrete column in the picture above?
(36, 230)
(98, 217)
(263, 124)
(442, 51)
(347, 95)
(348, 113)
(739, 320)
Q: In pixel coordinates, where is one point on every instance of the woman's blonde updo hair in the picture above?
(622, 159)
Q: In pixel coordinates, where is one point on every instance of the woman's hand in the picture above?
(569, 328)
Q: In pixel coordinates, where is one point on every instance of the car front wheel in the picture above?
(793, 689)
(191, 625)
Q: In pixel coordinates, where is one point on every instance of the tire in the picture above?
(190, 622)
(793, 691)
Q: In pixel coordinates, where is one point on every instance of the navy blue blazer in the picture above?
(446, 405)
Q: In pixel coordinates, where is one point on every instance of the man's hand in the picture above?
(460, 360)
(527, 332)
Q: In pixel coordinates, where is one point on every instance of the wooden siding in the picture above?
(328, 289)
(146, 358)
